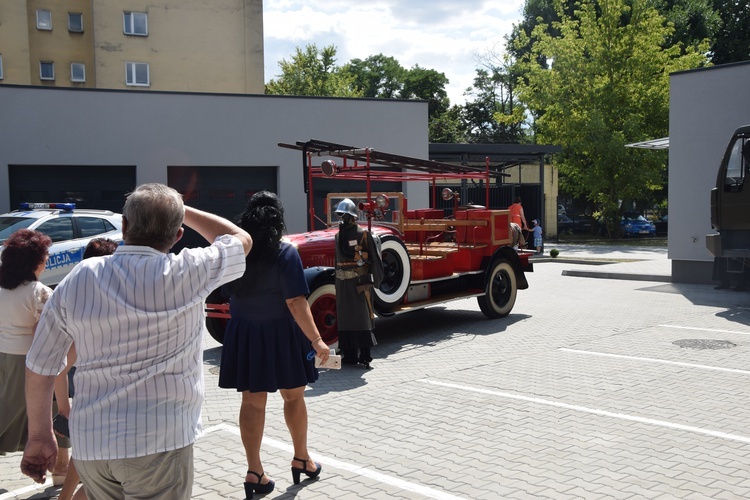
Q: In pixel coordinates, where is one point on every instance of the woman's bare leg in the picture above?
(295, 414)
(252, 423)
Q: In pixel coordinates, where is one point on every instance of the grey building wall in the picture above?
(154, 130)
(705, 107)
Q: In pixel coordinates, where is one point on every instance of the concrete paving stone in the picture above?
(700, 488)
(608, 491)
(578, 492)
(556, 494)
(641, 491)
(525, 486)
(732, 489)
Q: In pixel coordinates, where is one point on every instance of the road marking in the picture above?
(338, 464)
(27, 489)
(594, 411)
(704, 329)
(655, 360)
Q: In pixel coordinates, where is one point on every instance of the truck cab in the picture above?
(730, 208)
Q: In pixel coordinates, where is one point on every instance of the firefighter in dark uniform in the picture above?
(359, 270)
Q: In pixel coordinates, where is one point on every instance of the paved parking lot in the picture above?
(591, 388)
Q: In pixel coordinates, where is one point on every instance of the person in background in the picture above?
(359, 269)
(268, 339)
(22, 297)
(517, 215)
(516, 236)
(137, 321)
(98, 247)
(536, 232)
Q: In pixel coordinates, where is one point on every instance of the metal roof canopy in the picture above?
(501, 156)
(371, 165)
(367, 158)
(654, 144)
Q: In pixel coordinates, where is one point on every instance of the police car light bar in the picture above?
(60, 206)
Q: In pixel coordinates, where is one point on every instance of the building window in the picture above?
(137, 74)
(75, 22)
(136, 23)
(77, 72)
(43, 19)
(47, 70)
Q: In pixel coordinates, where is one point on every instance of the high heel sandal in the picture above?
(259, 488)
(296, 471)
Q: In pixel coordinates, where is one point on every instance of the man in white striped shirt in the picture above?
(136, 318)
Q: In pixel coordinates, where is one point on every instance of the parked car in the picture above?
(429, 256)
(70, 228)
(582, 224)
(662, 225)
(561, 210)
(634, 224)
(564, 224)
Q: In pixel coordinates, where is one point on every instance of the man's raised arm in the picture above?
(211, 226)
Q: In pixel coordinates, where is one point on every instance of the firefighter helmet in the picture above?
(346, 206)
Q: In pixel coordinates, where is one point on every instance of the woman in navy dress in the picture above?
(268, 338)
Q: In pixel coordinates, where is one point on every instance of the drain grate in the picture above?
(704, 344)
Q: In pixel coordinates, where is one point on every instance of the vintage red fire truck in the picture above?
(430, 255)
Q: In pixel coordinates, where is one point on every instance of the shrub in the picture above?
(554, 253)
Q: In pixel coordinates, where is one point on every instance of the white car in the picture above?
(71, 230)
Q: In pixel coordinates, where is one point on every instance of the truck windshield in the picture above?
(9, 225)
(738, 163)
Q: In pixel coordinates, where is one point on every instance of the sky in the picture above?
(449, 36)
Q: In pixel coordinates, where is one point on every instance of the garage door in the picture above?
(222, 191)
(91, 186)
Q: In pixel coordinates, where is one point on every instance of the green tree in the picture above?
(694, 21)
(448, 127)
(376, 76)
(427, 84)
(312, 72)
(493, 115)
(605, 83)
(732, 41)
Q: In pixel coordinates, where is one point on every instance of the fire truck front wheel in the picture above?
(500, 290)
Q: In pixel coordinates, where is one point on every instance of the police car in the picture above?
(71, 230)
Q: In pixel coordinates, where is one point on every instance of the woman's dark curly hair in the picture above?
(264, 220)
(22, 253)
(99, 247)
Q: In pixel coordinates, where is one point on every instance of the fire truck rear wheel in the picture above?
(500, 290)
(322, 302)
(397, 273)
(216, 327)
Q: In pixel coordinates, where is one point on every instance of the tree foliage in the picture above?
(493, 115)
(694, 21)
(427, 84)
(732, 40)
(376, 76)
(312, 72)
(601, 84)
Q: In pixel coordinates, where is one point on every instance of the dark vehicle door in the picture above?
(732, 195)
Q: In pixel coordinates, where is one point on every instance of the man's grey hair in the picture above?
(154, 213)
